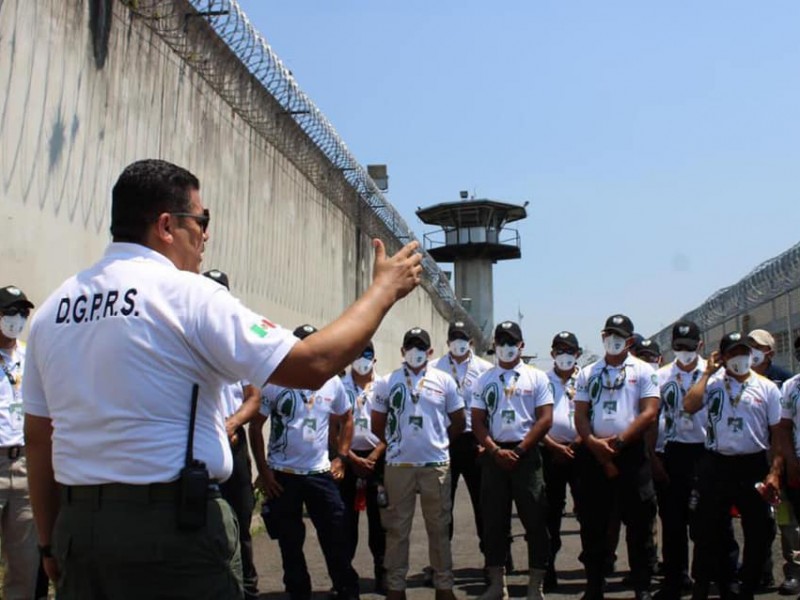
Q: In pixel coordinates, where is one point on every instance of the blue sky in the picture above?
(658, 144)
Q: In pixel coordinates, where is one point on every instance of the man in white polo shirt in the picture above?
(615, 403)
(511, 413)
(297, 472)
(685, 436)
(364, 473)
(464, 367)
(17, 529)
(412, 407)
(114, 356)
(743, 413)
(560, 443)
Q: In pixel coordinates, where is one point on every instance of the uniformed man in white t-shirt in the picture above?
(411, 412)
(558, 449)
(743, 413)
(296, 471)
(241, 402)
(114, 356)
(17, 529)
(615, 403)
(363, 479)
(512, 411)
(684, 436)
(464, 367)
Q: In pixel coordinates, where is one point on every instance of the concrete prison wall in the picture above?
(88, 87)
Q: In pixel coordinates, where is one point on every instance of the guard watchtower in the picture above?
(473, 236)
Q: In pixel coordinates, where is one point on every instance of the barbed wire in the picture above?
(184, 25)
(770, 279)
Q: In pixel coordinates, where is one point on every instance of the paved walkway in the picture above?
(466, 559)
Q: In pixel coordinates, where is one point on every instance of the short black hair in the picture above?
(144, 190)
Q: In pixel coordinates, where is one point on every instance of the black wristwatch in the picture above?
(342, 457)
(45, 551)
(520, 451)
(618, 444)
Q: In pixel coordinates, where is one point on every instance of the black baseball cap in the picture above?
(646, 347)
(416, 334)
(686, 333)
(304, 331)
(566, 338)
(619, 324)
(11, 295)
(218, 276)
(731, 340)
(457, 329)
(509, 329)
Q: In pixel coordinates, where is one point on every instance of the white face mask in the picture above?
(565, 362)
(614, 345)
(12, 326)
(685, 357)
(363, 366)
(459, 348)
(415, 357)
(758, 356)
(507, 353)
(739, 365)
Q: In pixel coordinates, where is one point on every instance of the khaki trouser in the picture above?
(402, 485)
(17, 530)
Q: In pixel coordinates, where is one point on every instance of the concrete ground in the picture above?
(467, 561)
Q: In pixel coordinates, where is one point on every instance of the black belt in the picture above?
(122, 492)
(14, 452)
(508, 445)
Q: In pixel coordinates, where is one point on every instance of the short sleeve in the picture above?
(33, 399)
(789, 400)
(238, 342)
(381, 397)
(543, 391)
(773, 405)
(267, 398)
(648, 383)
(477, 393)
(340, 402)
(452, 399)
(582, 386)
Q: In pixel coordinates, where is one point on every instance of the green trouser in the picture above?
(525, 485)
(120, 542)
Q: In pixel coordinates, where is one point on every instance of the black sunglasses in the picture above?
(202, 220)
(13, 311)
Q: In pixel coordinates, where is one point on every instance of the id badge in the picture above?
(609, 410)
(309, 429)
(685, 422)
(362, 423)
(736, 426)
(508, 418)
(415, 423)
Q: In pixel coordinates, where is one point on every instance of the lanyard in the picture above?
(618, 382)
(735, 400)
(569, 383)
(309, 402)
(454, 371)
(679, 379)
(361, 398)
(509, 390)
(414, 390)
(8, 369)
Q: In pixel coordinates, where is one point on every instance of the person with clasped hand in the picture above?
(744, 411)
(113, 356)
